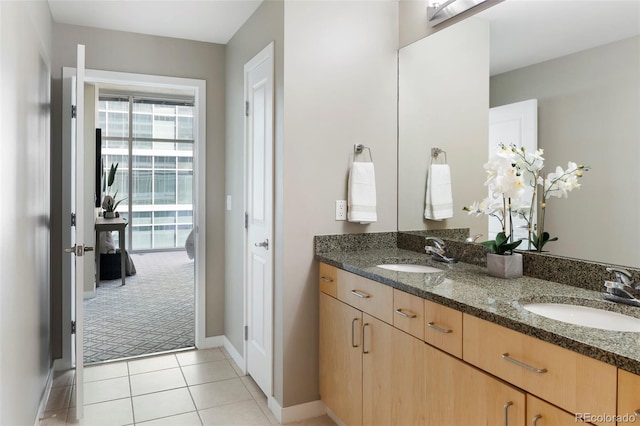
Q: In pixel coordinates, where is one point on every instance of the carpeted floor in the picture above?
(153, 312)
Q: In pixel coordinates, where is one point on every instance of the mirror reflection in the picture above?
(580, 61)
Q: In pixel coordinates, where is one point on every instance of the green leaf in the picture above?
(501, 238)
(112, 174)
(490, 245)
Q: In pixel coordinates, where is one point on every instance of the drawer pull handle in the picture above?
(364, 327)
(534, 421)
(637, 413)
(506, 357)
(326, 280)
(408, 314)
(438, 328)
(353, 333)
(506, 412)
(361, 294)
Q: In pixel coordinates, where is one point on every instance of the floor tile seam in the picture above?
(227, 403)
(169, 416)
(159, 391)
(133, 411)
(152, 371)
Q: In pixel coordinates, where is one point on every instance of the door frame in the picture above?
(200, 142)
(267, 53)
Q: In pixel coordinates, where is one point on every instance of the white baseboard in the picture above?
(89, 294)
(235, 355)
(211, 342)
(45, 395)
(298, 412)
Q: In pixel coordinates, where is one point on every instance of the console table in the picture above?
(116, 224)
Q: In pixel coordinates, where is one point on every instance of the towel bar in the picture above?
(435, 152)
(359, 149)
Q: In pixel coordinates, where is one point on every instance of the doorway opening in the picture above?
(170, 88)
(146, 147)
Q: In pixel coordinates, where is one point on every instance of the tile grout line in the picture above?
(133, 411)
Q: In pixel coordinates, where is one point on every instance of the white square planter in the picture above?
(504, 266)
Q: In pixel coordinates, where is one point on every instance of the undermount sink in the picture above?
(408, 267)
(585, 316)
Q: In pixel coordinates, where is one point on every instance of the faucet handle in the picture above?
(622, 275)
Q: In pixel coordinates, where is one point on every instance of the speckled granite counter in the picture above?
(469, 289)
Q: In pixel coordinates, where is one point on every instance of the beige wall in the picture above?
(588, 112)
(25, 355)
(340, 89)
(336, 82)
(444, 102)
(135, 53)
(265, 25)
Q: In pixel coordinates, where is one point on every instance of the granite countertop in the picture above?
(469, 289)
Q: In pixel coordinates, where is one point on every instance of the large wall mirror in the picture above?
(581, 61)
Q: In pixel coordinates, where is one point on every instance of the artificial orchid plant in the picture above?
(509, 171)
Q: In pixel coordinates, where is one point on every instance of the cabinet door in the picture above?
(377, 372)
(541, 413)
(408, 386)
(459, 394)
(341, 359)
(628, 397)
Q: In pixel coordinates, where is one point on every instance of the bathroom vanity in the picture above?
(457, 347)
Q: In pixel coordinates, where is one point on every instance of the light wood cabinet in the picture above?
(408, 379)
(443, 328)
(341, 359)
(377, 371)
(628, 397)
(575, 382)
(459, 394)
(369, 296)
(408, 313)
(379, 367)
(541, 413)
(328, 279)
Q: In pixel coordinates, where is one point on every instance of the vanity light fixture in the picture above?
(438, 12)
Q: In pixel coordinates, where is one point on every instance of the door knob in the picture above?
(78, 250)
(264, 244)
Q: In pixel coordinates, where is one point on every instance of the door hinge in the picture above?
(246, 332)
(73, 219)
(74, 111)
(246, 108)
(246, 220)
(73, 327)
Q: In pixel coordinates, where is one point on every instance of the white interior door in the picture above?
(77, 231)
(517, 124)
(259, 217)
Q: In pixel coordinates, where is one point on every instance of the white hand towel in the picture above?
(439, 200)
(362, 193)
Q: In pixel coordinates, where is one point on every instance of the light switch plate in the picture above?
(341, 209)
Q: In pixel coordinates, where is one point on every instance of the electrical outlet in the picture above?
(341, 209)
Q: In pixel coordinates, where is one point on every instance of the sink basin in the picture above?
(585, 316)
(408, 267)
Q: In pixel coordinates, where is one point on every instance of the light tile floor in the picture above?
(197, 387)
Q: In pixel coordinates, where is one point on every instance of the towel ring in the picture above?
(359, 149)
(435, 152)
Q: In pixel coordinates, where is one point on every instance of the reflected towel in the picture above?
(362, 193)
(439, 200)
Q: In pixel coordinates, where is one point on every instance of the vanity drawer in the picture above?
(328, 279)
(443, 328)
(408, 313)
(369, 296)
(575, 382)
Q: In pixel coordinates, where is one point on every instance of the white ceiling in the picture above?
(525, 32)
(213, 21)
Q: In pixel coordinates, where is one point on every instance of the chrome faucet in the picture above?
(623, 289)
(438, 250)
